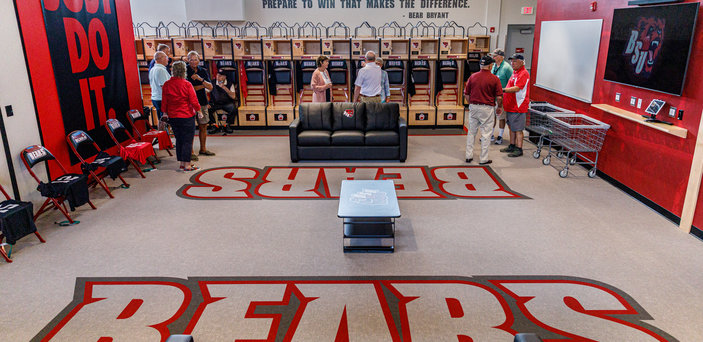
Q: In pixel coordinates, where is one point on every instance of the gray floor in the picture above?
(575, 227)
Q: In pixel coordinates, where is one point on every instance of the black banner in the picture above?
(84, 44)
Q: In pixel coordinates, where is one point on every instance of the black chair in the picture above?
(130, 149)
(113, 165)
(36, 154)
(16, 222)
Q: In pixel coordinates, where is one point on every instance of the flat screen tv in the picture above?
(395, 76)
(338, 77)
(307, 77)
(448, 76)
(255, 77)
(421, 76)
(282, 77)
(650, 46)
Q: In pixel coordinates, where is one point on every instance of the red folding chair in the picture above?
(153, 135)
(6, 208)
(81, 141)
(36, 154)
(130, 149)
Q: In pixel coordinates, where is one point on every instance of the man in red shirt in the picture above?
(482, 91)
(516, 104)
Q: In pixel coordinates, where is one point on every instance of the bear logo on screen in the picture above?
(645, 44)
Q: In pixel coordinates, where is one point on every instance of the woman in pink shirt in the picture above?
(320, 80)
(179, 105)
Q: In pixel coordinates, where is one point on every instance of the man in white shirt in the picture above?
(368, 81)
(158, 75)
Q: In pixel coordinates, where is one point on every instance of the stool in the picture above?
(180, 338)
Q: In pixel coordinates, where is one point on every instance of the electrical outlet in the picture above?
(633, 100)
(672, 112)
(617, 97)
(8, 111)
(639, 103)
(680, 114)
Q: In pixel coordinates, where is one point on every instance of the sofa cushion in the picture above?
(348, 116)
(348, 138)
(314, 138)
(381, 138)
(382, 116)
(316, 116)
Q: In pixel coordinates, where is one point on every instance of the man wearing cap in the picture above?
(483, 92)
(516, 104)
(223, 97)
(504, 71)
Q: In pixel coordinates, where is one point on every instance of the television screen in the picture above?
(448, 76)
(307, 77)
(395, 76)
(338, 77)
(283, 77)
(144, 76)
(474, 66)
(649, 46)
(421, 76)
(255, 77)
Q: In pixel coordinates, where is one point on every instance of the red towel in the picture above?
(164, 140)
(138, 151)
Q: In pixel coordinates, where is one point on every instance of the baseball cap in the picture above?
(517, 56)
(497, 52)
(487, 60)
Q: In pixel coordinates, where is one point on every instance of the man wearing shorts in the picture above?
(199, 78)
(504, 71)
(516, 101)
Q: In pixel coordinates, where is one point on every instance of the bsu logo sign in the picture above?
(399, 309)
(644, 45)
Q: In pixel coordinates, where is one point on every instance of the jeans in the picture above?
(157, 105)
(184, 131)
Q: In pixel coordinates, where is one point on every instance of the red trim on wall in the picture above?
(41, 75)
(129, 54)
(652, 163)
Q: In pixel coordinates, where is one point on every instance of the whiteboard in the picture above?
(568, 56)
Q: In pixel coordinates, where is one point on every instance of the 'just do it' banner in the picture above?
(85, 52)
(82, 67)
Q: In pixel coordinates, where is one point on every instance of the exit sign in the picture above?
(526, 10)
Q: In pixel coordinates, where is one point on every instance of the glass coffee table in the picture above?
(368, 209)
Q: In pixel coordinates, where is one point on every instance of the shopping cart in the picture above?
(573, 135)
(538, 124)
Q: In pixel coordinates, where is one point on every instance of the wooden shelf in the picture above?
(673, 130)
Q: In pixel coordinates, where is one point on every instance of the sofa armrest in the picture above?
(403, 136)
(293, 131)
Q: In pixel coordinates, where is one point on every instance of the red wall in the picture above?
(653, 163)
(35, 41)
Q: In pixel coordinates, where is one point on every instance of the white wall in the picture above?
(510, 14)
(207, 10)
(490, 13)
(22, 129)
(154, 11)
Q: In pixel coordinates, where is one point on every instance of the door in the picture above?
(520, 39)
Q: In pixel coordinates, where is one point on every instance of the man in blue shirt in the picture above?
(158, 75)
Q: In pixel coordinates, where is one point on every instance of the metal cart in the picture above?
(575, 135)
(538, 124)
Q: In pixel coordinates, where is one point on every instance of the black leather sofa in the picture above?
(325, 131)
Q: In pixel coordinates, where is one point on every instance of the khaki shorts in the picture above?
(501, 116)
(371, 99)
(206, 115)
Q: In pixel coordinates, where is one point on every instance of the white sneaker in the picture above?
(499, 141)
